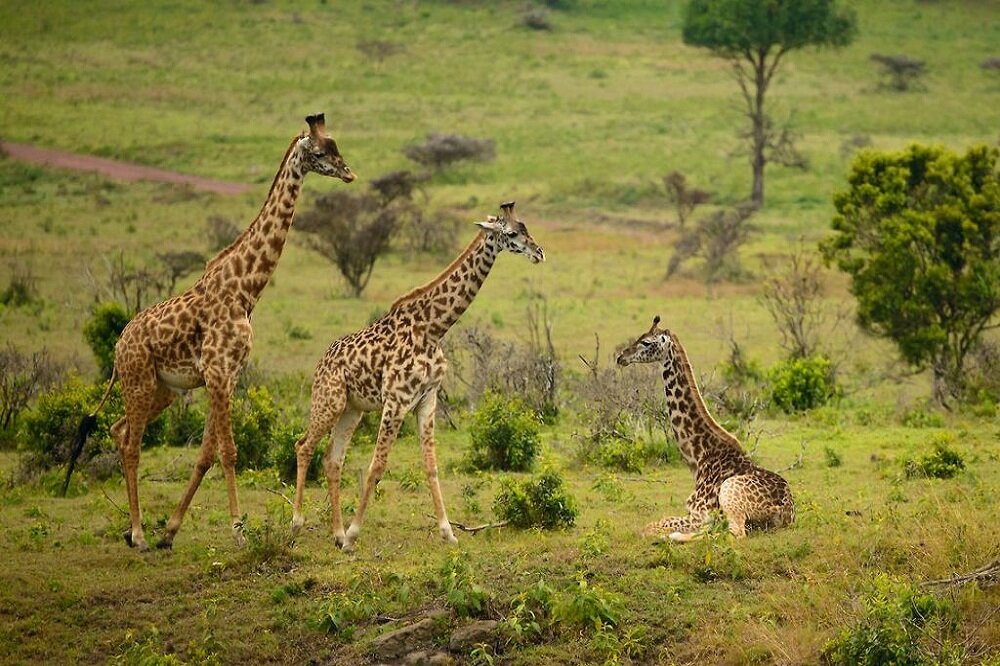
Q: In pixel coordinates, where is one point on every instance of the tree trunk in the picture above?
(759, 131)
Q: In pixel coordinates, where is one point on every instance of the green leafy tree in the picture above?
(754, 36)
(102, 331)
(918, 232)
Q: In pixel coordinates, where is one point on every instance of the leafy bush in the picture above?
(22, 376)
(257, 423)
(102, 331)
(47, 429)
(182, 424)
(943, 462)
(625, 455)
(801, 384)
(832, 458)
(462, 593)
(285, 458)
(539, 502)
(900, 626)
(504, 434)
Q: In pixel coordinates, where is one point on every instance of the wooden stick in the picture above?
(108, 497)
(477, 528)
(986, 576)
(275, 492)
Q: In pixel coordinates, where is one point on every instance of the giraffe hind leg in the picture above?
(673, 527)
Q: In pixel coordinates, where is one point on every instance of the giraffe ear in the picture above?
(491, 223)
(508, 211)
(656, 321)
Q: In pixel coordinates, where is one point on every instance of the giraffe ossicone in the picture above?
(726, 479)
(396, 363)
(203, 337)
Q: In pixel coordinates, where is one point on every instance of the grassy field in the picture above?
(586, 120)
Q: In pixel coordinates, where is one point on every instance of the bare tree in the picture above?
(178, 264)
(221, 232)
(900, 72)
(378, 49)
(716, 239)
(353, 231)
(442, 150)
(134, 287)
(22, 376)
(683, 196)
(793, 296)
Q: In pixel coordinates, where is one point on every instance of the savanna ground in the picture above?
(586, 119)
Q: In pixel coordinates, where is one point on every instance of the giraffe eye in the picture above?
(511, 234)
(319, 155)
(645, 343)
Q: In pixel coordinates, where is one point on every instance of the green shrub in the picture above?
(833, 458)
(801, 384)
(102, 331)
(256, 421)
(462, 593)
(624, 455)
(46, 431)
(504, 435)
(900, 627)
(539, 502)
(285, 458)
(943, 462)
(182, 424)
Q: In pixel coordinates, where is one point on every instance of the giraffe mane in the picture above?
(226, 251)
(416, 293)
(699, 401)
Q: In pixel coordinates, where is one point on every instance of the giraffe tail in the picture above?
(87, 425)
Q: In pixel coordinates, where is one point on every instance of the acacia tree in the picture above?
(918, 232)
(754, 36)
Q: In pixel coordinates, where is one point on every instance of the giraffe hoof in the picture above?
(127, 535)
(340, 540)
(165, 544)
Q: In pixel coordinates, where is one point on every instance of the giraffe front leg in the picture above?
(675, 528)
(327, 404)
(425, 425)
(392, 417)
(220, 398)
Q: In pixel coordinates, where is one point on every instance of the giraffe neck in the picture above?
(444, 299)
(246, 266)
(699, 436)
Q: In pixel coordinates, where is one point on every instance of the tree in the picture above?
(754, 36)
(102, 331)
(918, 232)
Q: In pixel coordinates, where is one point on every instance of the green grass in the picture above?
(586, 120)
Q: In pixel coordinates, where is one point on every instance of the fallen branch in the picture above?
(275, 492)
(798, 460)
(477, 528)
(112, 502)
(985, 576)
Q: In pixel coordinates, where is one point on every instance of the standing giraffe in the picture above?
(203, 337)
(724, 476)
(397, 364)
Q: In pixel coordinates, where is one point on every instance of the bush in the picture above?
(943, 462)
(588, 606)
(285, 458)
(831, 457)
(801, 384)
(47, 429)
(504, 435)
(182, 424)
(900, 72)
(102, 331)
(900, 627)
(539, 502)
(625, 455)
(21, 377)
(257, 424)
(442, 150)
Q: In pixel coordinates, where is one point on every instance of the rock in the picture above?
(428, 658)
(465, 638)
(395, 644)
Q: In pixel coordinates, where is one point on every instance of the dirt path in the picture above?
(115, 169)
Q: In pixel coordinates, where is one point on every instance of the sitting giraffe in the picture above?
(203, 337)
(725, 478)
(397, 364)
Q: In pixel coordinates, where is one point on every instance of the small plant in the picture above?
(539, 502)
(588, 607)
(801, 384)
(610, 487)
(943, 462)
(22, 376)
(899, 626)
(531, 610)
(144, 648)
(269, 542)
(504, 435)
(462, 593)
(102, 331)
(22, 289)
(536, 18)
(831, 457)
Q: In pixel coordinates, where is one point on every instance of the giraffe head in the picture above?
(656, 344)
(320, 153)
(511, 233)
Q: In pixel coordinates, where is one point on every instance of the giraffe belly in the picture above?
(180, 381)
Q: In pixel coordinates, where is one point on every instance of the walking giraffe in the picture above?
(397, 364)
(725, 477)
(203, 337)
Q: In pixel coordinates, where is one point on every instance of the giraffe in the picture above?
(725, 477)
(396, 363)
(203, 337)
